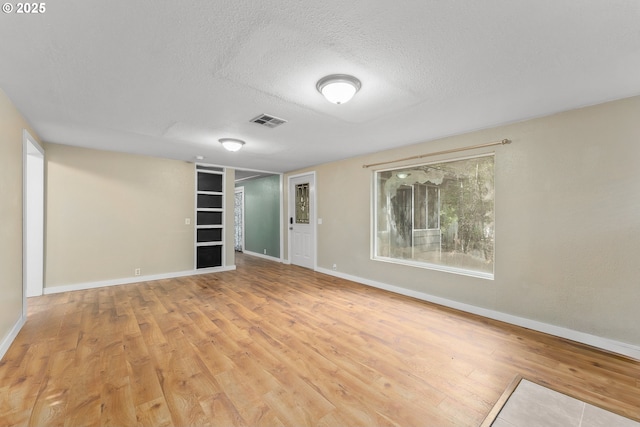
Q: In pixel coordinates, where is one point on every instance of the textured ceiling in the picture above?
(169, 78)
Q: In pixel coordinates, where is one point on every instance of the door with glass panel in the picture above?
(301, 220)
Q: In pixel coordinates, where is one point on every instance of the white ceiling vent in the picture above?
(268, 121)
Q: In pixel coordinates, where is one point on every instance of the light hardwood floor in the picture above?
(271, 344)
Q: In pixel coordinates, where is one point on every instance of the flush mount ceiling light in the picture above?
(338, 88)
(231, 144)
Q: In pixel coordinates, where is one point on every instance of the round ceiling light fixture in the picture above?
(231, 144)
(338, 88)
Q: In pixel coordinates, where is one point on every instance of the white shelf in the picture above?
(211, 172)
(209, 209)
(208, 244)
(210, 193)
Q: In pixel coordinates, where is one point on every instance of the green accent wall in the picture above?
(262, 215)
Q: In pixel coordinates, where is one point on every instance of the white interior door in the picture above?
(302, 243)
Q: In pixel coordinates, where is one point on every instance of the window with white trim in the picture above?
(437, 215)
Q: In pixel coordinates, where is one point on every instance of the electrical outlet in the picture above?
(136, 272)
(335, 267)
(264, 251)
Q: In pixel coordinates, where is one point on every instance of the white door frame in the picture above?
(240, 190)
(281, 184)
(32, 217)
(313, 212)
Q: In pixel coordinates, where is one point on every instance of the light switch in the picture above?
(319, 221)
(187, 221)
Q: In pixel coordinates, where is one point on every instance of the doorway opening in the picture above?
(259, 214)
(33, 218)
(238, 220)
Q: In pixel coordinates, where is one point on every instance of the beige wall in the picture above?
(11, 126)
(567, 221)
(109, 213)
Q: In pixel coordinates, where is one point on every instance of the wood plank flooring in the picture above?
(273, 345)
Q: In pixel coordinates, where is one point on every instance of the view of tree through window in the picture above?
(438, 215)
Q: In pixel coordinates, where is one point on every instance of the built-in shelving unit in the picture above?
(209, 216)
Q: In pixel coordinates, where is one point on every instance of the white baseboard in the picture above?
(135, 279)
(259, 255)
(8, 340)
(618, 347)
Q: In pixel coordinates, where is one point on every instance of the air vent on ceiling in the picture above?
(268, 121)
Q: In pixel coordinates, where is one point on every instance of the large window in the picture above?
(438, 215)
